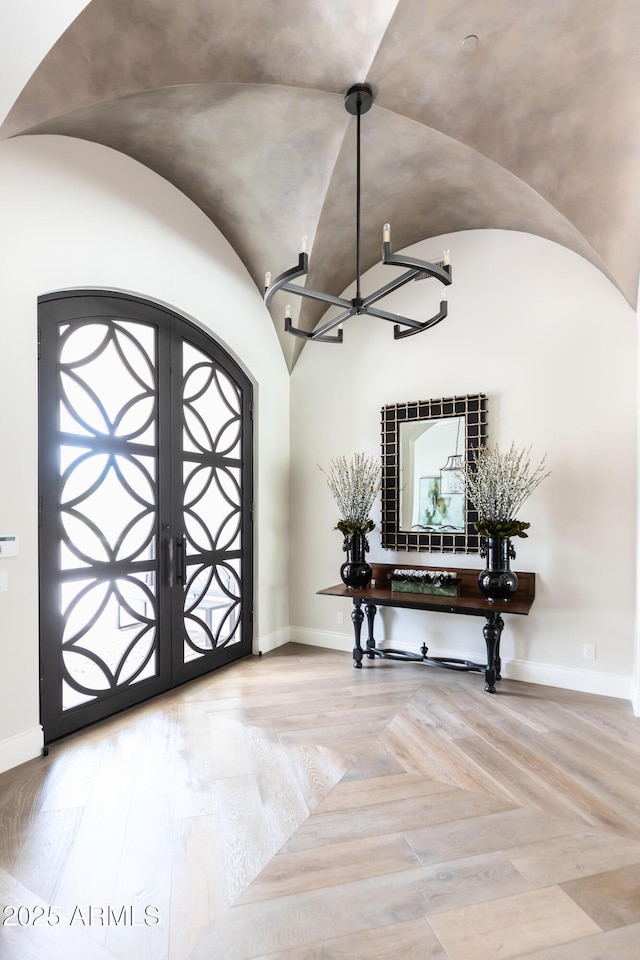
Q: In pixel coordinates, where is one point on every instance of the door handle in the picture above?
(181, 551)
(168, 562)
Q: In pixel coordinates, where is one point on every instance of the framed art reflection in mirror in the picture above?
(424, 445)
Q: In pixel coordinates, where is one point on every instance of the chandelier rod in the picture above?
(358, 203)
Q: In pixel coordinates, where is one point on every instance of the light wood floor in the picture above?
(291, 808)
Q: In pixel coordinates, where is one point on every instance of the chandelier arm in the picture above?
(443, 274)
(395, 318)
(284, 278)
(399, 334)
(283, 282)
(315, 295)
(390, 287)
(316, 335)
(330, 324)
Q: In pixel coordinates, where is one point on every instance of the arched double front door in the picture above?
(145, 467)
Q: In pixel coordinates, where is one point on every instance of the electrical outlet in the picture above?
(340, 617)
(589, 651)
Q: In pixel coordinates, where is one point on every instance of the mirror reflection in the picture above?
(431, 485)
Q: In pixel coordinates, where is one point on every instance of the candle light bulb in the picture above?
(386, 233)
(443, 295)
(267, 280)
(287, 311)
(446, 256)
(303, 244)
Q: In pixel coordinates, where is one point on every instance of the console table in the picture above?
(470, 602)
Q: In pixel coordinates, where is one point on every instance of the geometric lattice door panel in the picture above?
(145, 453)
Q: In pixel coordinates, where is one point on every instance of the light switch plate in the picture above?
(8, 545)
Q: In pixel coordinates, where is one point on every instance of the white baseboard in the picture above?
(635, 699)
(322, 638)
(548, 675)
(272, 640)
(569, 678)
(20, 748)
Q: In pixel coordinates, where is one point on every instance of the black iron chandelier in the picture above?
(358, 100)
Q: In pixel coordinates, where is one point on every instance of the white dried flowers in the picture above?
(498, 483)
(354, 484)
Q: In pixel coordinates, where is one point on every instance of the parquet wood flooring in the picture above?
(290, 808)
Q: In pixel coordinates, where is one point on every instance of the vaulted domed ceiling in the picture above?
(533, 126)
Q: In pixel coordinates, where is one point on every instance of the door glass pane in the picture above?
(108, 506)
(90, 355)
(109, 635)
(211, 501)
(211, 507)
(211, 407)
(211, 608)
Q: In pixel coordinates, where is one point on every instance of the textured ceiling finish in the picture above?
(239, 103)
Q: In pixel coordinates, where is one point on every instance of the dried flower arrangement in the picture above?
(354, 484)
(497, 484)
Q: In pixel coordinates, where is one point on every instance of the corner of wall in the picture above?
(270, 641)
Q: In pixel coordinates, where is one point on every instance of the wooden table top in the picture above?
(470, 601)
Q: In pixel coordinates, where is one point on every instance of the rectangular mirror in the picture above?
(424, 446)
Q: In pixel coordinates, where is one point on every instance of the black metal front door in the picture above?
(145, 454)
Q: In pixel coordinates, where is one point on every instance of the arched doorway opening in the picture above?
(145, 484)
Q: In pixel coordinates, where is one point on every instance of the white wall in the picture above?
(28, 30)
(75, 214)
(553, 345)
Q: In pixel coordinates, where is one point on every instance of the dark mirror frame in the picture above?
(474, 410)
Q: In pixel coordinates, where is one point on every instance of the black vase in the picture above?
(356, 572)
(497, 581)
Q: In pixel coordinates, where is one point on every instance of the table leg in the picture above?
(357, 616)
(492, 631)
(498, 661)
(371, 613)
